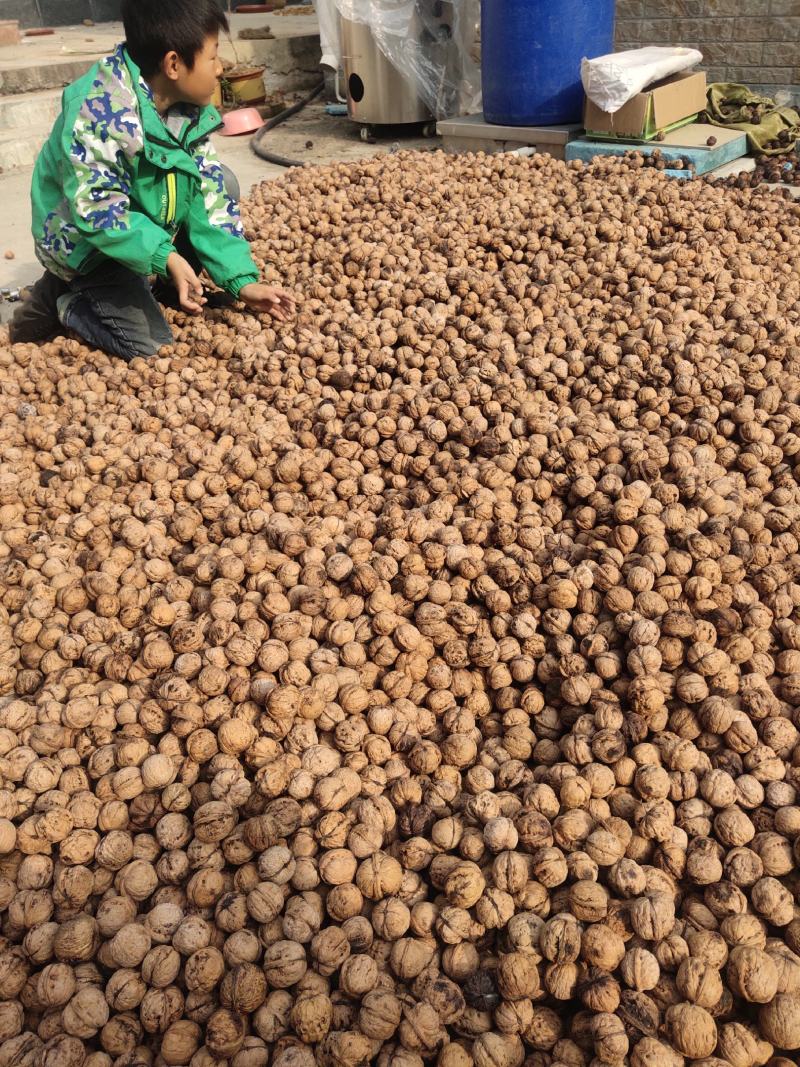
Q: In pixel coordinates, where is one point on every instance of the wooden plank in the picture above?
(474, 127)
(697, 134)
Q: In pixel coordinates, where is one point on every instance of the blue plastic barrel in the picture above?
(531, 52)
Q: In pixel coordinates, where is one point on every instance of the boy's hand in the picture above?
(188, 285)
(276, 302)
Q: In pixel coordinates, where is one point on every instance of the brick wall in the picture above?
(752, 41)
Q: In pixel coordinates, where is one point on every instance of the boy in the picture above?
(128, 186)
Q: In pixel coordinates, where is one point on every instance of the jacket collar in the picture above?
(202, 121)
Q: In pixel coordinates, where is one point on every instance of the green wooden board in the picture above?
(704, 159)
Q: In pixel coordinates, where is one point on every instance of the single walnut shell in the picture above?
(652, 917)
(204, 969)
(752, 974)
(741, 1043)
(180, 1041)
(691, 1030)
(125, 990)
(244, 988)
(379, 1015)
(699, 983)
(602, 947)
(311, 1017)
(76, 940)
(772, 900)
(610, 1039)
(498, 1050)
(410, 956)
(344, 1048)
(160, 1008)
(421, 1029)
(517, 976)
(560, 939)
(55, 985)
(779, 1021)
(225, 1033)
(650, 1052)
(86, 1013)
(640, 969)
(359, 975)
(161, 966)
(284, 964)
(130, 945)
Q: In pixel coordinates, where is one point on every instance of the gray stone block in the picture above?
(762, 75)
(25, 11)
(64, 12)
(630, 9)
(781, 53)
(629, 32)
(784, 29)
(751, 29)
(741, 53)
(106, 10)
(722, 7)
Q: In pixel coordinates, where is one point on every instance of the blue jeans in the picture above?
(115, 310)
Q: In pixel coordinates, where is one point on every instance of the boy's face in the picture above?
(196, 86)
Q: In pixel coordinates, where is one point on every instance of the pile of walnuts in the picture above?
(783, 168)
(417, 682)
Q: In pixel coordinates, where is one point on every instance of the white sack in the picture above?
(611, 81)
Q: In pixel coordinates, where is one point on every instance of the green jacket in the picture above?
(116, 181)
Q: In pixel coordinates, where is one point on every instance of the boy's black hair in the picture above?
(155, 27)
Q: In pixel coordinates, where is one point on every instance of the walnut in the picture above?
(244, 988)
(225, 1033)
(691, 1030)
(311, 1016)
(85, 1013)
(379, 1015)
(517, 976)
(752, 974)
(284, 963)
(779, 1021)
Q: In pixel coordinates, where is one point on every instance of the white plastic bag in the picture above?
(611, 81)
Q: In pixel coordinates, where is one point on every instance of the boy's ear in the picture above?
(170, 65)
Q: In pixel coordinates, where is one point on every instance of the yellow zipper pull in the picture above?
(172, 197)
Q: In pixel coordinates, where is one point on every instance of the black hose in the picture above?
(276, 120)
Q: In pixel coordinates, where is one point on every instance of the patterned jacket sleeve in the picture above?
(222, 211)
(97, 152)
(215, 228)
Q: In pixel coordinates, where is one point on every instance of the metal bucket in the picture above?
(377, 93)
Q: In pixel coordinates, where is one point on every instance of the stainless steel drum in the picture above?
(377, 93)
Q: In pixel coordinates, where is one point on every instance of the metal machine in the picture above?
(378, 94)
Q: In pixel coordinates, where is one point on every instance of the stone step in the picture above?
(23, 110)
(19, 149)
(53, 75)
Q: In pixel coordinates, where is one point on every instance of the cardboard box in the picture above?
(663, 106)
